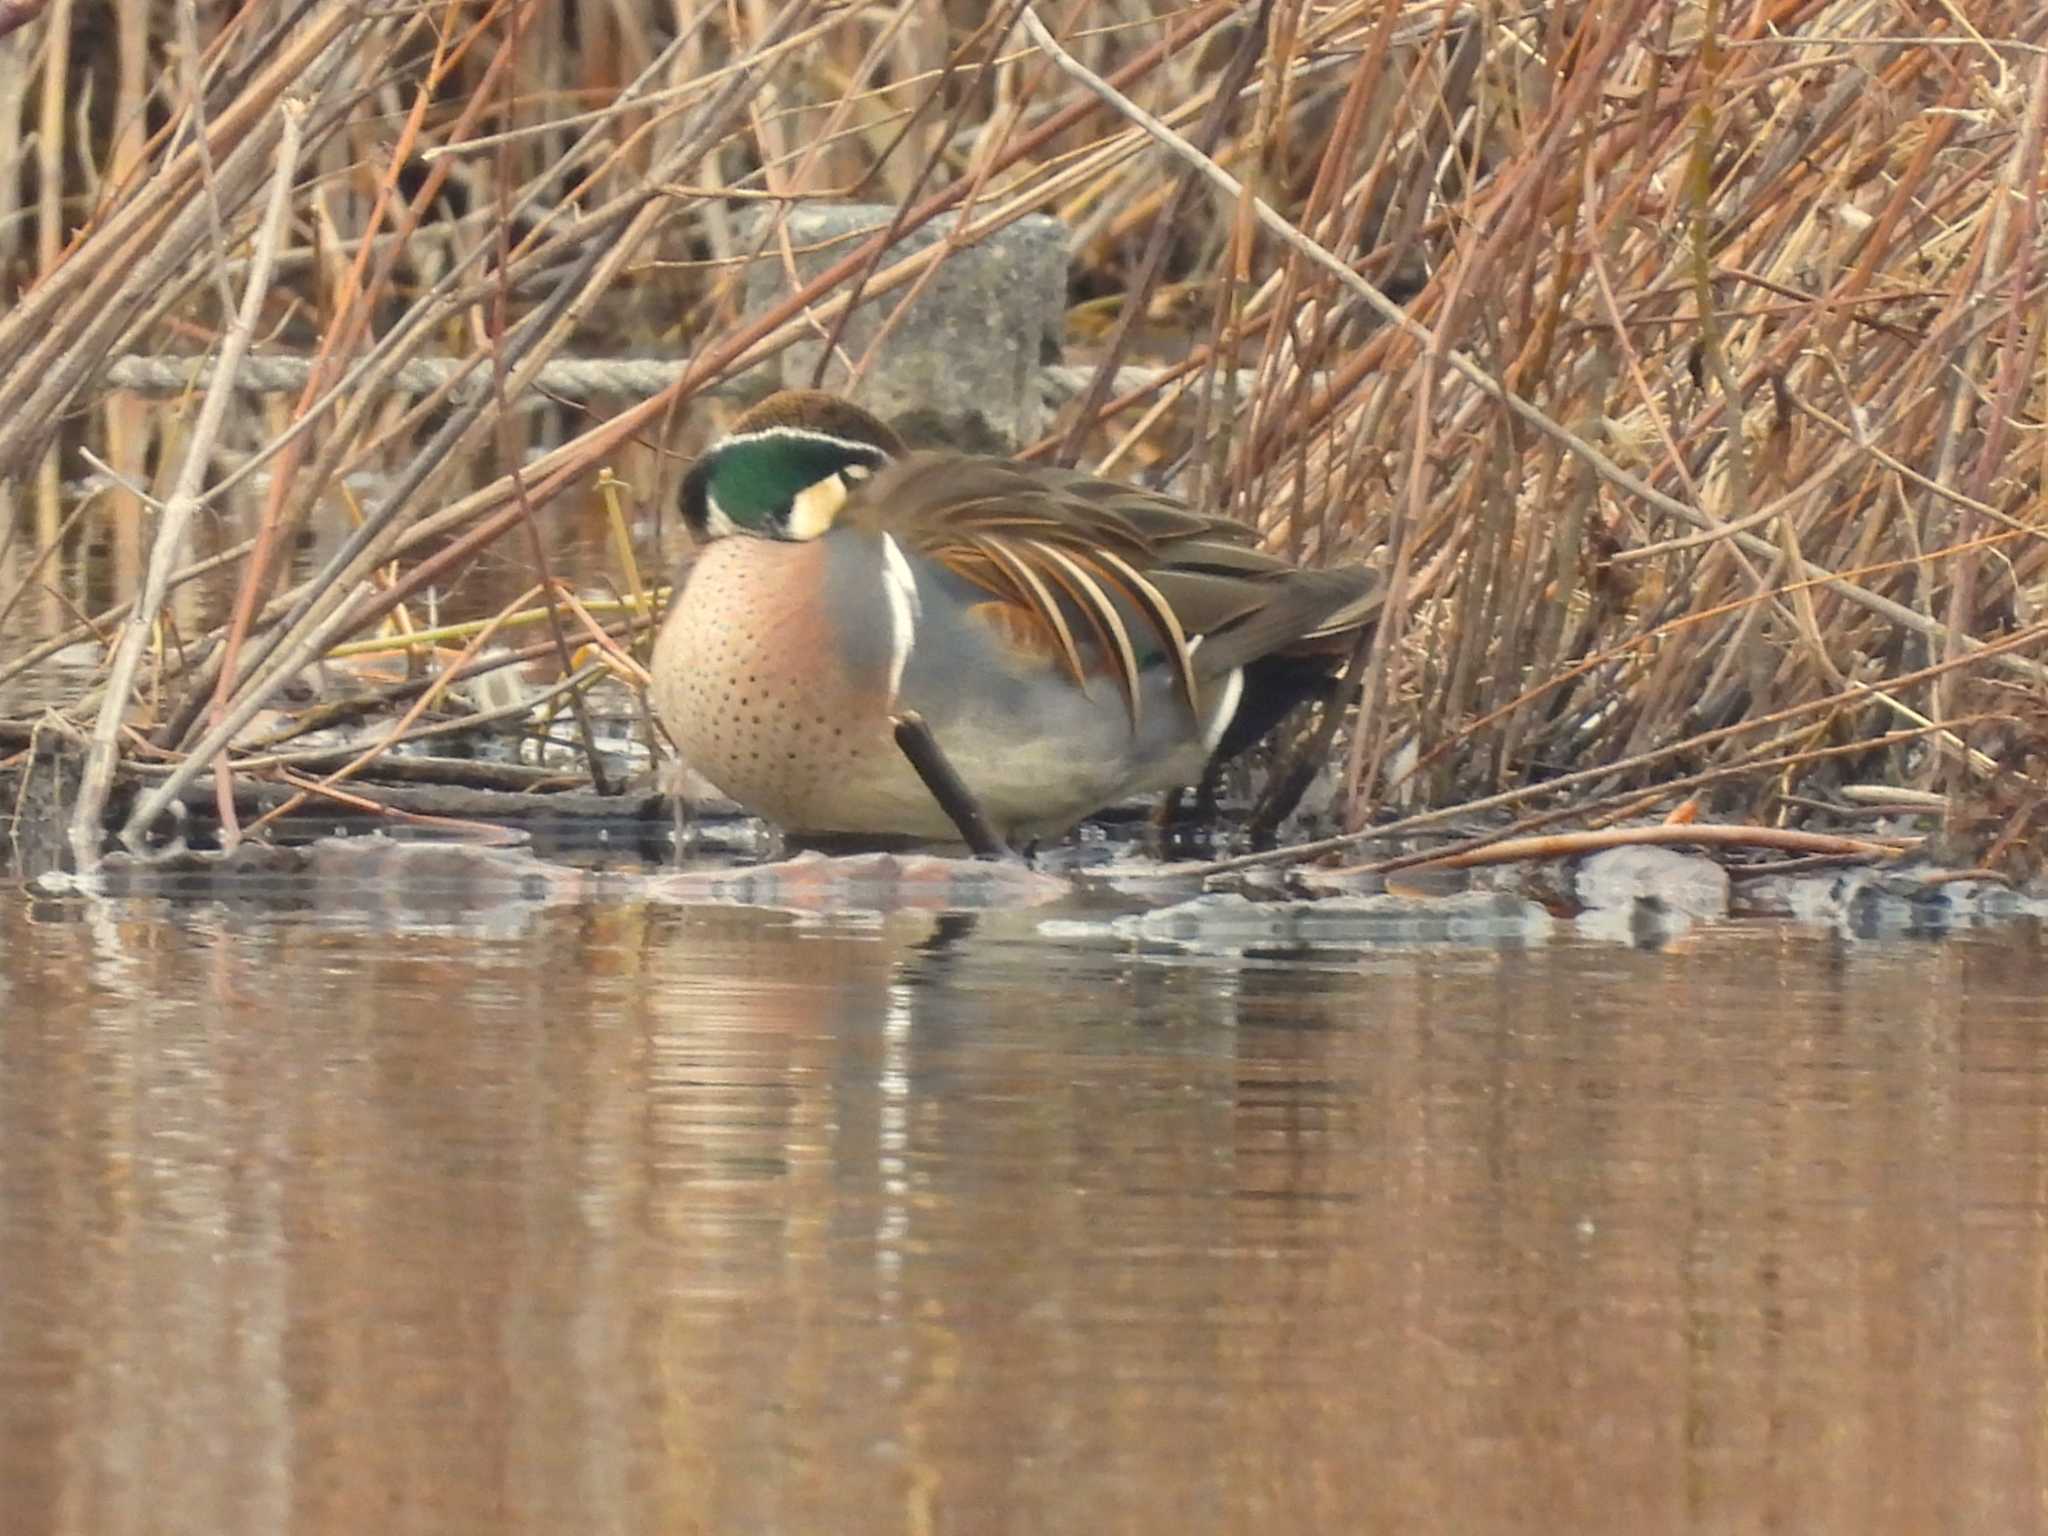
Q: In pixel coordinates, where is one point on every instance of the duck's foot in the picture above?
(1186, 820)
(915, 740)
(1284, 792)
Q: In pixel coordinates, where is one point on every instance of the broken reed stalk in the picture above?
(361, 289)
(60, 331)
(179, 508)
(330, 611)
(1831, 511)
(1474, 374)
(1694, 353)
(488, 514)
(397, 730)
(315, 609)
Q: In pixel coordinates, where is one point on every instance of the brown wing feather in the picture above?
(1060, 543)
(1088, 595)
(1039, 601)
(1140, 593)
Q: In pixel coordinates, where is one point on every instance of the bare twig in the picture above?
(98, 777)
(1474, 374)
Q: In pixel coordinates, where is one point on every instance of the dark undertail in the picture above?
(1273, 685)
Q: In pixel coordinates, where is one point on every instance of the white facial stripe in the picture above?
(803, 434)
(1226, 709)
(904, 608)
(718, 522)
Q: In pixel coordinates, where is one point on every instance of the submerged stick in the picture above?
(1572, 845)
(179, 509)
(915, 740)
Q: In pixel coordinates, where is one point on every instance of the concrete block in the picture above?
(961, 365)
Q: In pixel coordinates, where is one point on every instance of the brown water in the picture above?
(623, 1219)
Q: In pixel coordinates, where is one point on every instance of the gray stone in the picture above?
(961, 366)
(865, 882)
(1684, 883)
(1880, 904)
(1229, 924)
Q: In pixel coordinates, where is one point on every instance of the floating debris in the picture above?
(878, 882)
(1232, 924)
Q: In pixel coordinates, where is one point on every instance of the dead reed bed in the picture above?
(1682, 360)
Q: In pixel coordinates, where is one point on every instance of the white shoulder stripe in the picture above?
(1225, 710)
(904, 611)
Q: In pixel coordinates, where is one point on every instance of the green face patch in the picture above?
(765, 483)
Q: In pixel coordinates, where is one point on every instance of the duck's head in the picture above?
(786, 467)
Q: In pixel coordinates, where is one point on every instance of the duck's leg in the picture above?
(679, 813)
(672, 778)
(915, 740)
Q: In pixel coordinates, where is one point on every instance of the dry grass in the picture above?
(1705, 445)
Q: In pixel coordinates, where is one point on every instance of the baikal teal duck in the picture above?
(1069, 640)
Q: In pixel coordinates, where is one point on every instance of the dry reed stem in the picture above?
(1577, 845)
(1690, 359)
(397, 729)
(178, 509)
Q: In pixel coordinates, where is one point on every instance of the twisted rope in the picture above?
(565, 378)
